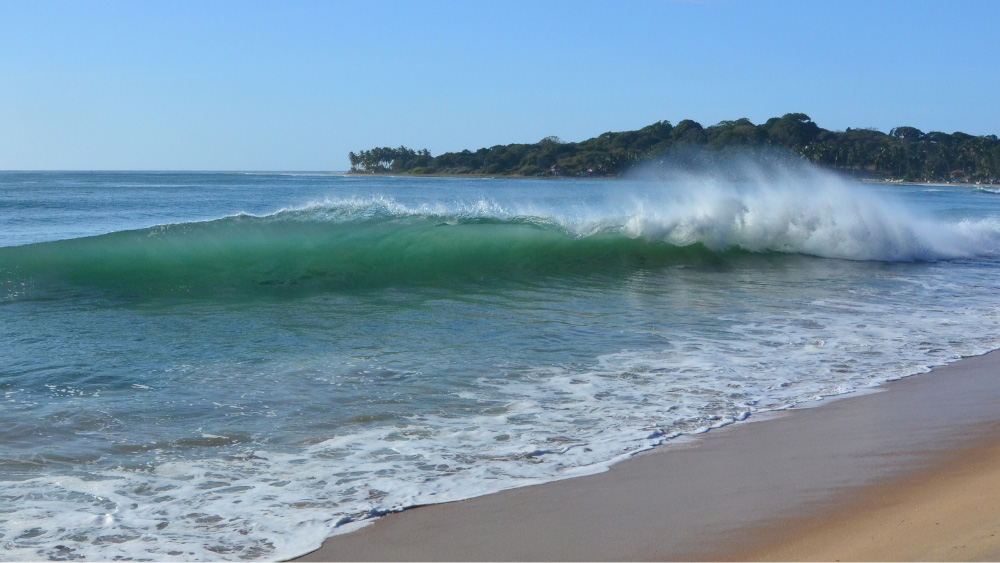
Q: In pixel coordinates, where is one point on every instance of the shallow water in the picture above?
(235, 366)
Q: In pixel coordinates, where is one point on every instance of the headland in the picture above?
(904, 154)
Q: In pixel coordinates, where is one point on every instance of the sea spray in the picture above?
(790, 206)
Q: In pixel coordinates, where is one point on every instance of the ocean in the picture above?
(235, 366)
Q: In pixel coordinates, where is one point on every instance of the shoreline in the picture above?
(770, 488)
(866, 181)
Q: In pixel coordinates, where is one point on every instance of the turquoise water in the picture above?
(235, 366)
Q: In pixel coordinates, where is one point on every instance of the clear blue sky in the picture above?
(290, 85)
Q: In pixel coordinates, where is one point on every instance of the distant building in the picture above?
(556, 170)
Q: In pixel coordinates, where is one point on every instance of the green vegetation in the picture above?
(905, 153)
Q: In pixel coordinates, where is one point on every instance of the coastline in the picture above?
(805, 483)
(866, 181)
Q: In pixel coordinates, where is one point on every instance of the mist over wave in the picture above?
(824, 217)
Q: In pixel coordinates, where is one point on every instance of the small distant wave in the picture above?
(295, 174)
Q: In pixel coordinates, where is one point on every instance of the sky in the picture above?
(296, 85)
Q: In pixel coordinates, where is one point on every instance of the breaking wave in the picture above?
(378, 242)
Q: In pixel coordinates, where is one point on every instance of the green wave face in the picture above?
(285, 254)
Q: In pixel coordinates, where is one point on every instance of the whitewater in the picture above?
(207, 366)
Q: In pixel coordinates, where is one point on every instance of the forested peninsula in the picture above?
(905, 153)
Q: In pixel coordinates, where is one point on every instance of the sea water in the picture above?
(207, 366)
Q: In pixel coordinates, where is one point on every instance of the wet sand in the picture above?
(909, 473)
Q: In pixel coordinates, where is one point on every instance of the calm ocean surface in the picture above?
(236, 366)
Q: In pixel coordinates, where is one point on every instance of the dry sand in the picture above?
(950, 512)
(912, 473)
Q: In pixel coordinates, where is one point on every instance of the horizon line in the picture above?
(174, 170)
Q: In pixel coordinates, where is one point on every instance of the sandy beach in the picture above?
(908, 473)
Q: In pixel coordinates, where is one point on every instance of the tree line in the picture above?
(905, 153)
